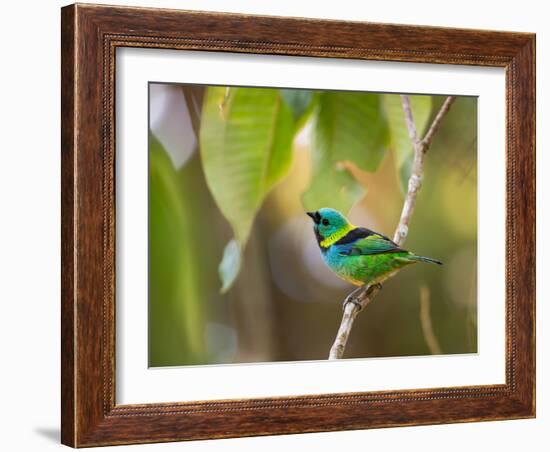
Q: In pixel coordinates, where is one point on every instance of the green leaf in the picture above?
(348, 127)
(332, 186)
(230, 265)
(400, 142)
(246, 146)
(351, 126)
(176, 284)
(299, 101)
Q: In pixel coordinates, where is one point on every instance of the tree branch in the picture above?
(426, 321)
(361, 297)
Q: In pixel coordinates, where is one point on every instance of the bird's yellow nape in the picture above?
(333, 238)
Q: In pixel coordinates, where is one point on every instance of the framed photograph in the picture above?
(282, 225)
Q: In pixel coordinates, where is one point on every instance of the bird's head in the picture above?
(328, 222)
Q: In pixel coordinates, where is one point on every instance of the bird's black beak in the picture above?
(314, 216)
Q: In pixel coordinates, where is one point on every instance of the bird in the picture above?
(356, 254)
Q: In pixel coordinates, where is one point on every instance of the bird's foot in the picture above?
(360, 293)
(374, 287)
(354, 298)
(351, 299)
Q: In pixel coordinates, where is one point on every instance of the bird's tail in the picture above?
(426, 259)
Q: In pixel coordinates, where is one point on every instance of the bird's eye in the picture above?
(325, 222)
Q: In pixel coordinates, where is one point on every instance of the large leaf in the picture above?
(351, 126)
(348, 127)
(401, 144)
(177, 286)
(246, 142)
(332, 186)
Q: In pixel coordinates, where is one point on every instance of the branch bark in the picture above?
(360, 298)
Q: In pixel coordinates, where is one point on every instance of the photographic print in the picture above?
(271, 210)
(276, 225)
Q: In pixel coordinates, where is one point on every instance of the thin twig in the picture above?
(427, 141)
(359, 299)
(417, 172)
(409, 120)
(426, 321)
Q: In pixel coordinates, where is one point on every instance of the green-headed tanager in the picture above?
(359, 255)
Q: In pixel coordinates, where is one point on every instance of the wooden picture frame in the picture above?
(90, 36)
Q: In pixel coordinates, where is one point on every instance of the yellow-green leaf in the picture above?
(176, 286)
(348, 127)
(246, 146)
(351, 126)
(332, 186)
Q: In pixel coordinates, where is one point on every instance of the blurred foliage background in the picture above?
(235, 273)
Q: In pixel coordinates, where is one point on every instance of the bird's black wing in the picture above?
(363, 241)
(361, 233)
